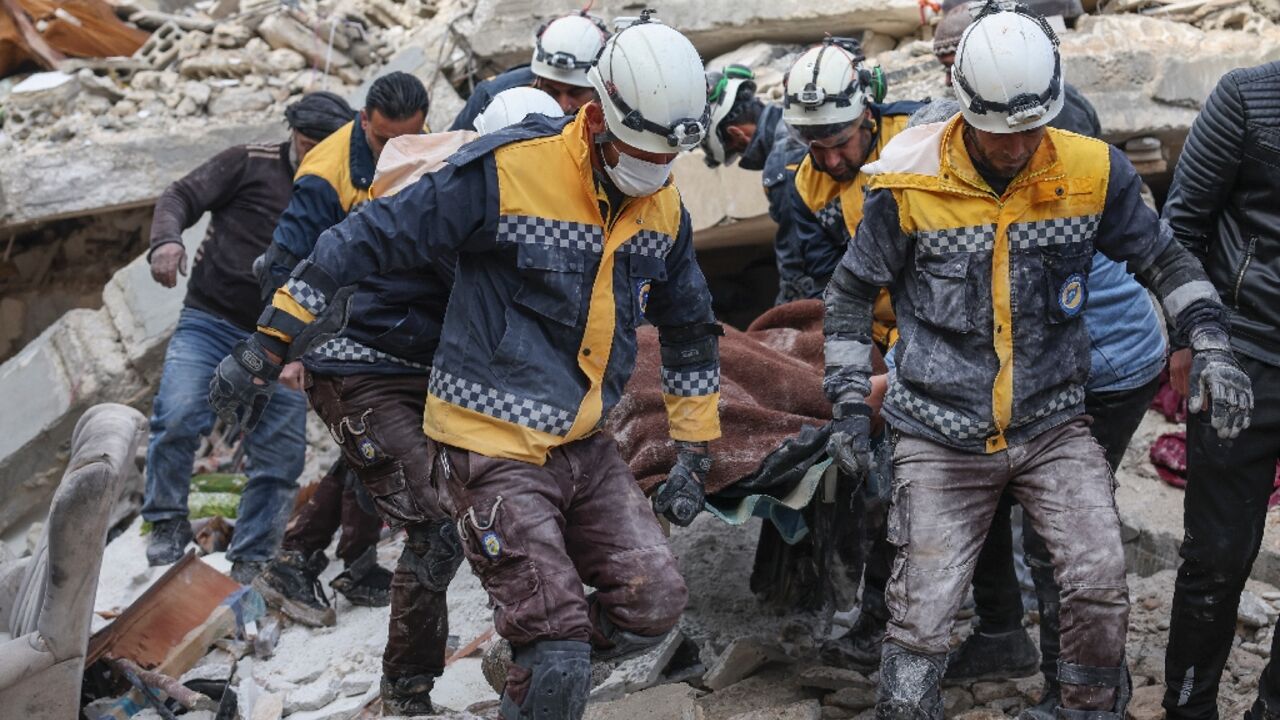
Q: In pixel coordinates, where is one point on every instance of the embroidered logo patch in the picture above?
(1071, 295)
(492, 544)
(368, 449)
(642, 294)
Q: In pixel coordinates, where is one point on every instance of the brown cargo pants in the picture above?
(377, 422)
(534, 535)
(943, 503)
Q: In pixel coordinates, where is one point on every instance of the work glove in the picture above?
(682, 496)
(242, 385)
(1218, 383)
(167, 261)
(850, 443)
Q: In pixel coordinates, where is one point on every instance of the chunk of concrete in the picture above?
(833, 678)
(742, 658)
(803, 710)
(853, 698)
(282, 31)
(665, 702)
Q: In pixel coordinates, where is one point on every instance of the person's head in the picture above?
(946, 36)
(510, 107)
(653, 104)
(828, 107)
(396, 105)
(563, 51)
(315, 117)
(1008, 79)
(735, 114)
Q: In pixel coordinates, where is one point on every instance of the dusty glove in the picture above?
(1216, 374)
(682, 496)
(850, 443)
(242, 385)
(167, 261)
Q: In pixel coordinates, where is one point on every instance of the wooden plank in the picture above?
(195, 644)
(159, 621)
(47, 57)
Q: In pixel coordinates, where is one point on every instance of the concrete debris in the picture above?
(1146, 703)
(1253, 612)
(852, 698)
(833, 678)
(803, 710)
(665, 702)
(741, 659)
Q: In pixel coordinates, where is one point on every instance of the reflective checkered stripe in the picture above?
(831, 214)
(690, 383)
(1052, 232)
(1065, 399)
(948, 423)
(649, 243)
(976, 238)
(311, 299)
(503, 406)
(347, 350)
(533, 230)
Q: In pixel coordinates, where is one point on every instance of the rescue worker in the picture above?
(1222, 208)
(245, 188)
(568, 235)
(984, 228)
(746, 130)
(366, 384)
(563, 50)
(830, 104)
(1127, 355)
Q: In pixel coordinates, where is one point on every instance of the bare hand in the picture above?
(1180, 371)
(293, 375)
(879, 386)
(167, 261)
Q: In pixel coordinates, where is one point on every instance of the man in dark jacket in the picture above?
(245, 188)
(1222, 207)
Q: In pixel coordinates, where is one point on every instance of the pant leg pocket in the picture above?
(389, 486)
(897, 595)
(509, 575)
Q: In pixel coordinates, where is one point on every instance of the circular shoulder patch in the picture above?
(1071, 295)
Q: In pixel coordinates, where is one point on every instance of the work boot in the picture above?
(291, 583)
(998, 656)
(407, 696)
(1047, 708)
(910, 685)
(365, 582)
(1259, 712)
(245, 571)
(169, 540)
(860, 648)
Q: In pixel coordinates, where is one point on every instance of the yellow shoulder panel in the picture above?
(816, 188)
(330, 161)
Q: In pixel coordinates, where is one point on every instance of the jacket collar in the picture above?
(361, 157)
(959, 172)
(753, 158)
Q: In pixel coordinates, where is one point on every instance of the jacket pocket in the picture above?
(551, 282)
(943, 297)
(642, 272)
(1066, 277)
(391, 493)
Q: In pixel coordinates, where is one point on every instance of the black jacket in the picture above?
(1224, 204)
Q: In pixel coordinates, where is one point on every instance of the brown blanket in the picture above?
(770, 387)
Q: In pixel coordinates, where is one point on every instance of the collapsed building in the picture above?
(91, 142)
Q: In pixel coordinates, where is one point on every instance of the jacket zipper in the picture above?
(1248, 258)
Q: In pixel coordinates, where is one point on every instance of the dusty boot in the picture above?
(1095, 679)
(246, 571)
(365, 582)
(407, 696)
(1047, 708)
(168, 542)
(860, 648)
(994, 657)
(291, 583)
(910, 685)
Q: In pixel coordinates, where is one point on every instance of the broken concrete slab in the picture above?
(742, 658)
(803, 710)
(665, 702)
(825, 677)
(852, 698)
(646, 671)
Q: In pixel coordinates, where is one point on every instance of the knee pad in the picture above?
(1114, 678)
(910, 685)
(432, 553)
(559, 681)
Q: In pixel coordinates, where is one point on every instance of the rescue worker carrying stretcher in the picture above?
(568, 235)
(984, 228)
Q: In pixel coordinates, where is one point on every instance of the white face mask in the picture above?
(636, 177)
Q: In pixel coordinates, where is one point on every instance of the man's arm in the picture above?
(1206, 171)
(688, 335)
(313, 208)
(208, 187)
(798, 230)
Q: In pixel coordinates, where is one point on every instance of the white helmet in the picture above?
(565, 47)
(651, 84)
(723, 87)
(509, 107)
(826, 86)
(1008, 74)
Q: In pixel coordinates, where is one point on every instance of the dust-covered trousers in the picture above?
(535, 534)
(377, 422)
(335, 505)
(943, 503)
